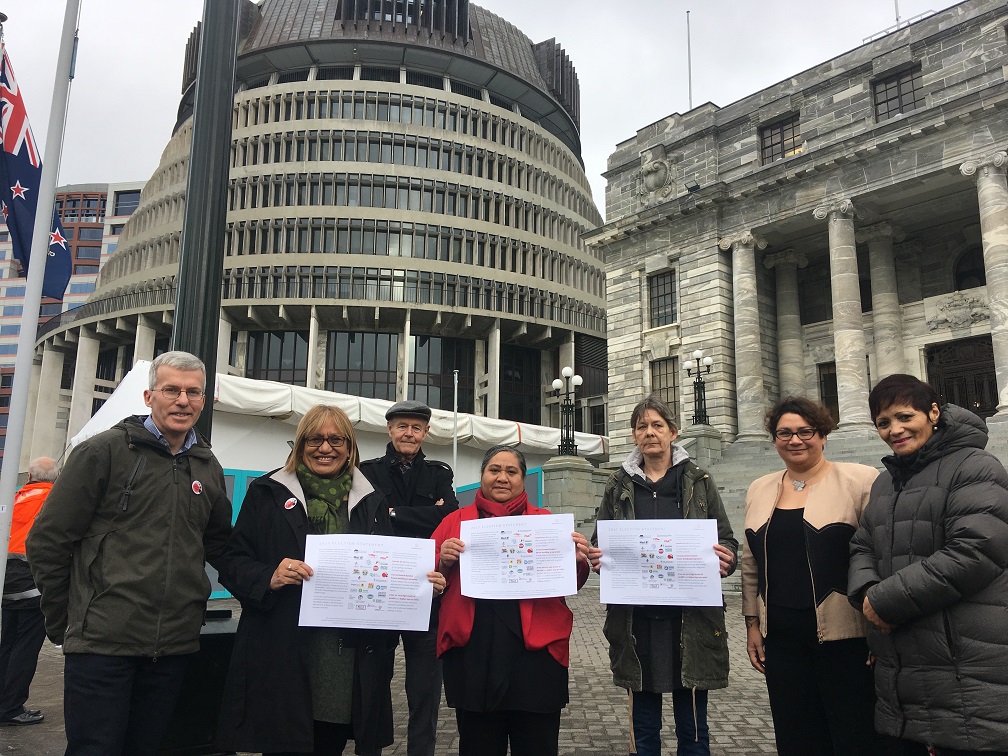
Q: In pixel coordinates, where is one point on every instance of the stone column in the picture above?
(493, 370)
(848, 323)
(50, 378)
(224, 348)
(790, 353)
(32, 409)
(312, 371)
(83, 385)
(402, 384)
(886, 313)
(143, 346)
(750, 393)
(992, 191)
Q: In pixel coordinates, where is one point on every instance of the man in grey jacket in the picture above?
(118, 553)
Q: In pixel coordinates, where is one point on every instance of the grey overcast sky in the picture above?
(630, 58)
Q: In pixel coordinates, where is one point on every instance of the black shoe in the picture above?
(26, 717)
(33, 711)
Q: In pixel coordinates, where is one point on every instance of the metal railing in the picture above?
(110, 305)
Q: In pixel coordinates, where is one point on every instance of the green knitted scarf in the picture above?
(327, 497)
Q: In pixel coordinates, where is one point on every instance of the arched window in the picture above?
(969, 269)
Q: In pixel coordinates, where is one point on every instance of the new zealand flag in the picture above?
(20, 176)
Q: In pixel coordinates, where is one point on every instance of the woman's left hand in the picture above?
(438, 581)
(726, 560)
(869, 612)
(581, 546)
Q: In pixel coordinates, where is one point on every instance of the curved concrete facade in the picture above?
(407, 197)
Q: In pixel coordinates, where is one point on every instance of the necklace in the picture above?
(799, 485)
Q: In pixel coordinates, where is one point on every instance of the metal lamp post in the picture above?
(569, 383)
(699, 390)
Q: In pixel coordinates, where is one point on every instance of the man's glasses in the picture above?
(174, 392)
(335, 442)
(784, 434)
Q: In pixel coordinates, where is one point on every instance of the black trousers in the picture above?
(22, 634)
(423, 690)
(330, 740)
(116, 705)
(822, 695)
(488, 733)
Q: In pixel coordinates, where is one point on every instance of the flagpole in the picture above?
(36, 273)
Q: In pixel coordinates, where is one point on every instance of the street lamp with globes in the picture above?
(569, 383)
(699, 390)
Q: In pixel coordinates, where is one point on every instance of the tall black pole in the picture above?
(201, 260)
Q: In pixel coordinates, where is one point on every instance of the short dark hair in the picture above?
(901, 388)
(812, 412)
(493, 451)
(653, 402)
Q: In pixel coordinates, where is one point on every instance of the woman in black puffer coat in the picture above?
(928, 570)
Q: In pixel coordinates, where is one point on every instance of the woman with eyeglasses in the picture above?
(291, 689)
(801, 632)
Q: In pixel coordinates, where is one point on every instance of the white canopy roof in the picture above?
(247, 396)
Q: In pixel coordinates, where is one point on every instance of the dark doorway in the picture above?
(962, 372)
(828, 393)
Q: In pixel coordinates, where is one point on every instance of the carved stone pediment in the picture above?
(955, 310)
(654, 179)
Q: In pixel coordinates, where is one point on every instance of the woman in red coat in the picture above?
(505, 661)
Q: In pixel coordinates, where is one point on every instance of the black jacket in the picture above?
(931, 554)
(413, 496)
(118, 549)
(267, 702)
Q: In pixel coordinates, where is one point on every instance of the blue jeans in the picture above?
(689, 707)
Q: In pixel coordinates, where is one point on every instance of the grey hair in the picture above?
(495, 450)
(43, 470)
(655, 404)
(177, 360)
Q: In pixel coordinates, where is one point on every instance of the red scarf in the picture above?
(489, 508)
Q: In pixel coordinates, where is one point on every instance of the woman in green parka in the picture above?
(666, 649)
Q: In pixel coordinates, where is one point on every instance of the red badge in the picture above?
(197, 487)
(290, 503)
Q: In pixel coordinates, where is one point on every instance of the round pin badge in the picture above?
(290, 503)
(197, 487)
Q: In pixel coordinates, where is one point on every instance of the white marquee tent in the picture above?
(253, 421)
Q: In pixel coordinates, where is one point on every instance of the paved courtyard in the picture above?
(594, 724)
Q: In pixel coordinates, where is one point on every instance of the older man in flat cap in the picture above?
(420, 494)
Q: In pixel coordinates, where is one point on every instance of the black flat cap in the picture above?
(409, 409)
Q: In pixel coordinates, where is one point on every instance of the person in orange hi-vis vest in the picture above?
(23, 630)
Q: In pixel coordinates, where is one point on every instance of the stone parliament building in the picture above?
(845, 224)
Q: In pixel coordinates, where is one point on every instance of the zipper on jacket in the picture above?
(766, 563)
(128, 489)
(949, 638)
(171, 550)
(808, 561)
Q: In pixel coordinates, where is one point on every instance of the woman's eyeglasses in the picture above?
(316, 441)
(785, 434)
